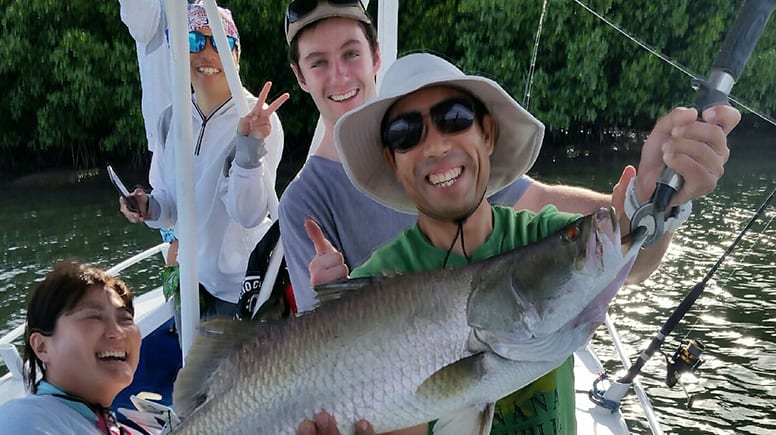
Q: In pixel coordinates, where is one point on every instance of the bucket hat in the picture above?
(518, 136)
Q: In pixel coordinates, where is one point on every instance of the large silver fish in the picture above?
(403, 350)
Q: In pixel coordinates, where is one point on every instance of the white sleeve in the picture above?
(143, 18)
(247, 196)
(168, 212)
(155, 171)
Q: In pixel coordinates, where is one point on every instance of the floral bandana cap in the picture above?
(198, 19)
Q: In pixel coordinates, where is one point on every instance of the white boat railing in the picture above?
(117, 269)
(182, 136)
(646, 404)
(12, 359)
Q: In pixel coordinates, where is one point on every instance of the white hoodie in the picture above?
(230, 201)
(146, 23)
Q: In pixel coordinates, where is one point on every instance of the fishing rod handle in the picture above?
(668, 183)
(726, 69)
(709, 93)
(743, 36)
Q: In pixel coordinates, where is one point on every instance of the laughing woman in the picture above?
(81, 349)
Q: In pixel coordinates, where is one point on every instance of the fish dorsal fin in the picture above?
(217, 339)
(339, 289)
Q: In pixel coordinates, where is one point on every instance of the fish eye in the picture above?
(571, 233)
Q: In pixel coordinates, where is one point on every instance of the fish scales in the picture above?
(299, 360)
(407, 349)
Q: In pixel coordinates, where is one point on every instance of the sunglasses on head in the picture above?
(298, 9)
(197, 42)
(450, 116)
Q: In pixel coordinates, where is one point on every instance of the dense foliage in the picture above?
(71, 92)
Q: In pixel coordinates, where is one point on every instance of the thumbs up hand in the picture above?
(328, 265)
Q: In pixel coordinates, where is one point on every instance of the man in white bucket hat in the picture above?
(335, 56)
(436, 141)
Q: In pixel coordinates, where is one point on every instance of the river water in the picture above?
(735, 389)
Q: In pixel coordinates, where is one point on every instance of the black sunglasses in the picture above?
(298, 9)
(453, 115)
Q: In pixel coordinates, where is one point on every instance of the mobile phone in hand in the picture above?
(114, 178)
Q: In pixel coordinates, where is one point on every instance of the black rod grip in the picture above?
(743, 36)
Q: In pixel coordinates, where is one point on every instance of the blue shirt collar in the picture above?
(47, 388)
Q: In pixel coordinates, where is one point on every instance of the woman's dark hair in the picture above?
(59, 292)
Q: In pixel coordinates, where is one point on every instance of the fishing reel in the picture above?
(687, 358)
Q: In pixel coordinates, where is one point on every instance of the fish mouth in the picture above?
(607, 224)
(604, 237)
(594, 313)
(607, 239)
(595, 262)
(635, 238)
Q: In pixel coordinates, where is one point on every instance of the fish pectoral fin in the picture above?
(475, 420)
(452, 382)
(216, 340)
(454, 379)
(339, 289)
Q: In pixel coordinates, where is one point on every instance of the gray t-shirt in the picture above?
(352, 221)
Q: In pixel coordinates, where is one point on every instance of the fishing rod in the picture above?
(687, 357)
(663, 57)
(738, 46)
(727, 68)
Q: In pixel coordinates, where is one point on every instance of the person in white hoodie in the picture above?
(230, 156)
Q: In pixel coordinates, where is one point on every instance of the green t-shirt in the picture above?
(545, 406)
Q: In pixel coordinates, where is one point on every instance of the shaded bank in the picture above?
(583, 146)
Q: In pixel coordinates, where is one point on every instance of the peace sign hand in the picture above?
(257, 122)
